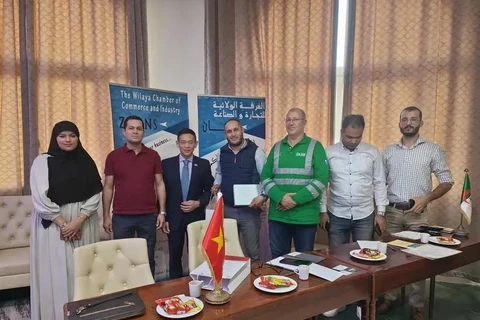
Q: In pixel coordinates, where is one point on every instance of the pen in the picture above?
(393, 249)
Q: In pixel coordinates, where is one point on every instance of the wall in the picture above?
(176, 50)
(176, 57)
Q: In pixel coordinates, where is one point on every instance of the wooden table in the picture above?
(312, 297)
(400, 269)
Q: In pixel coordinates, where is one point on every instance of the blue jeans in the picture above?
(144, 225)
(341, 228)
(248, 223)
(281, 235)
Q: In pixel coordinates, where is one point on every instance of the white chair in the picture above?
(110, 266)
(196, 232)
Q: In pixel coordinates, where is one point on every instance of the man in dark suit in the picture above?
(188, 180)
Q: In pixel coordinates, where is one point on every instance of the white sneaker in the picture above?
(333, 313)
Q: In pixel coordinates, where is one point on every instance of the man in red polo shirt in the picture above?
(135, 173)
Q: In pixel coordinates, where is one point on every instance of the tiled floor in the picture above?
(453, 301)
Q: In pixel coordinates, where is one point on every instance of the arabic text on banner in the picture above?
(214, 111)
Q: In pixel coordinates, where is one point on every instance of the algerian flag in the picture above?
(466, 203)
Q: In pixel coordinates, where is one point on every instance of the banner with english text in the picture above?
(164, 113)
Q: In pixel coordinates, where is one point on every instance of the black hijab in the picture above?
(72, 175)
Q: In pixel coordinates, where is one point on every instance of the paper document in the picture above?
(315, 269)
(230, 268)
(243, 194)
(340, 267)
(412, 235)
(324, 272)
(235, 271)
(305, 256)
(431, 252)
(276, 262)
(404, 244)
(368, 244)
(445, 229)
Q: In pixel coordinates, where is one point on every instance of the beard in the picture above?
(409, 133)
(351, 147)
(236, 144)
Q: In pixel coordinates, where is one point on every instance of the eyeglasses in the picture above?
(294, 120)
(185, 143)
(261, 268)
(413, 121)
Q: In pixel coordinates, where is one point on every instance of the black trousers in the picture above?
(144, 225)
(176, 241)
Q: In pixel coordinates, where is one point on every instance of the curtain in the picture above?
(281, 50)
(57, 59)
(427, 54)
(79, 47)
(138, 50)
(11, 132)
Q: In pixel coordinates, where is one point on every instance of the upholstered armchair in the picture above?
(111, 266)
(196, 232)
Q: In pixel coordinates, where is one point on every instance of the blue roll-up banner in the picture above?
(163, 112)
(214, 111)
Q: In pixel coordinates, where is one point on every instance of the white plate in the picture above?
(435, 240)
(184, 298)
(354, 253)
(257, 285)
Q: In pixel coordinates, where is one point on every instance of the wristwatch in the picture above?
(163, 213)
(381, 213)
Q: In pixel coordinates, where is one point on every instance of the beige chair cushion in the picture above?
(15, 217)
(111, 266)
(196, 232)
(14, 261)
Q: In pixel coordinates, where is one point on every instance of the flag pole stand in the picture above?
(461, 231)
(217, 296)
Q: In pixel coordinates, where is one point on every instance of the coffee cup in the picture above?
(303, 271)
(424, 237)
(195, 287)
(382, 247)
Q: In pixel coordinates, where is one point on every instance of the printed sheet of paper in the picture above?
(324, 272)
(431, 252)
(404, 244)
(411, 235)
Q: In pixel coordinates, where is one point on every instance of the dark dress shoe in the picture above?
(384, 306)
(417, 313)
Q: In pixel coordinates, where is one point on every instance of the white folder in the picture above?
(243, 194)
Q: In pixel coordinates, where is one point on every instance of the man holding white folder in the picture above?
(240, 163)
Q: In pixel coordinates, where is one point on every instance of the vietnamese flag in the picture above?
(214, 242)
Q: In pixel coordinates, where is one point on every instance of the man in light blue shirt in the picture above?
(356, 180)
(241, 161)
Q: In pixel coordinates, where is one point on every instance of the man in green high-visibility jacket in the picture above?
(294, 177)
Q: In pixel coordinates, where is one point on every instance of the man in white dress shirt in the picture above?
(356, 180)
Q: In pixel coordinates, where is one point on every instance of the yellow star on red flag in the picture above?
(219, 240)
(213, 243)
